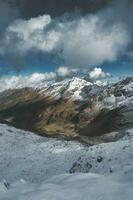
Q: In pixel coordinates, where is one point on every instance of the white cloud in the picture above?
(34, 80)
(98, 73)
(38, 77)
(32, 35)
(64, 71)
(83, 41)
(90, 43)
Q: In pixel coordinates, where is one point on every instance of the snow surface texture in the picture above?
(75, 187)
(34, 158)
(29, 163)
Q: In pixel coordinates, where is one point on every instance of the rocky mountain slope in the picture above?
(74, 109)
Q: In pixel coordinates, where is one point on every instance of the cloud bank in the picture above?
(34, 80)
(80, 42)
(76, 41)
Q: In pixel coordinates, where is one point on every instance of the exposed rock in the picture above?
(99, 159)
(73, 109)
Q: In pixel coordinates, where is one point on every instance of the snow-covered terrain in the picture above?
(34, 158)
(74, 187)
(38, 168)
(70, 88)
(44, 82)
(73, 88)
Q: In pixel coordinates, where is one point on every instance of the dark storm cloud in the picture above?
(7, 14)
(33, 8)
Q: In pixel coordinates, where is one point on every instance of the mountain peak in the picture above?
(69, 89)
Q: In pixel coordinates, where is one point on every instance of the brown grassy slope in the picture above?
(29, 110)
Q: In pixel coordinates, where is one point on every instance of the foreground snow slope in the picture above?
(24, 155)
(75, 187)
(34, 158)
(37, 160)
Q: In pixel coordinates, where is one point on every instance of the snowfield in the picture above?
(75, 187)
(38, 168)
(24, 155)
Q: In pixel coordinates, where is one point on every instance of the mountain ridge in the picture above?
(73, 109)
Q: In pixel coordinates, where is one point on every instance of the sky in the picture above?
(42, 36)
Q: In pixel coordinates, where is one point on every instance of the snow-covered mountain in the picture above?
(37, 168)
(74, 109)
(69, 89)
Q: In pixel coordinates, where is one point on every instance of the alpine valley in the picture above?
(73, 140)
(74, 109)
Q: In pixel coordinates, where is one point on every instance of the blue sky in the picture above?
(118, 68)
